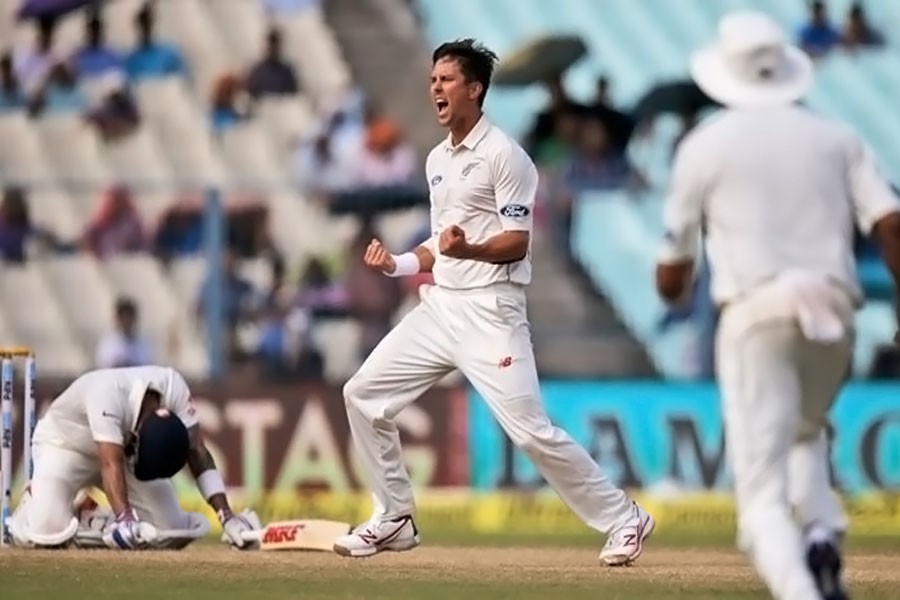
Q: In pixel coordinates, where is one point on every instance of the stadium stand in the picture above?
(61, 304)
(638, 44)
(68, 163)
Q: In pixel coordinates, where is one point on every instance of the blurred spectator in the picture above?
(116, 225)
(116, 116)
(229, 105)
(124, 347)
(286, 347)
(96, 57)
(11, 96)
(701, 312)
(372, 298)
(152, 58)
(818, 36)
(272, 76)
(558, 148)
(179, 231)
(603, 98)
(247, 231)
(32, 65)
(544, 129)
(289, 7)
(387, 158)
(543, 142)
(58, 93)
(17, 230)
(240, 301)
(319, 293)
(321, 168)
(858, 32)
(597, 165)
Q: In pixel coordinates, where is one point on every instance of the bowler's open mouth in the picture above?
(441, 105)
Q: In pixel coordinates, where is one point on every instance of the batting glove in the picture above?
(234, 526)
(125, 532)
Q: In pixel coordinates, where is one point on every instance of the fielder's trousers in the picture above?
(485, 334)
(777, 387)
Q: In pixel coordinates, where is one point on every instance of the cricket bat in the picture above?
(301, 534)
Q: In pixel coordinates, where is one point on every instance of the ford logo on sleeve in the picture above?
(516, 211)
(436, 180)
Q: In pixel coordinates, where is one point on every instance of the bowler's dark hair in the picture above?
(476, 61)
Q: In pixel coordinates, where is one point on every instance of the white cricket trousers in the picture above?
(59, 474)
(485, 334)
(777, 387)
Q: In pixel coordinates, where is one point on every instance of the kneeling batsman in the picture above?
(127, 430)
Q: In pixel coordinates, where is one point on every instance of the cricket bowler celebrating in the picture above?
(775, 190)
(128, 430)
(482, 187)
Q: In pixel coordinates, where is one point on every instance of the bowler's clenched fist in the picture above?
(453, 243)
(378, 257)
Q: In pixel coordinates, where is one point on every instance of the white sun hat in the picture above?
(752, 65)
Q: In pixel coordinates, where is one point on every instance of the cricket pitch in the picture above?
(209, 571)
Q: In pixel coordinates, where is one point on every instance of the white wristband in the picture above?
(405, 264)
(210, 483)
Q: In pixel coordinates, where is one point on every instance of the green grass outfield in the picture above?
(449, 565)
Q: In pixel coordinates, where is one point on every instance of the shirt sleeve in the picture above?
(515, 188)
(683, 209)
(106, 418)
(870, 192)
(432, 242)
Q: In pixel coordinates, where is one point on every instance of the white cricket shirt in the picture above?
(772, 190)
(103, 406)
(485, 185)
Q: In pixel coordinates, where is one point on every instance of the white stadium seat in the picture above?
(91, 313)
(33, 315)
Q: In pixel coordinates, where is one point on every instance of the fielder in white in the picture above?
(482, 194)
(776, 190)
(127, 430)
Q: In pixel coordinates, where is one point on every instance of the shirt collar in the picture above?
(139, 390)
(136, 400)
(471, 140)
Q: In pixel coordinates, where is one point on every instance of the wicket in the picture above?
(7, 393)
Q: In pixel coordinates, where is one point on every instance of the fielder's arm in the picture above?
(683, 220)
(203, 468)
(875, 204)
(112, 469)
(505, 247)
(886, 232)
(425, 256)
(515, 189)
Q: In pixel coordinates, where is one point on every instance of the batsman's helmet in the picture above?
(162, 446)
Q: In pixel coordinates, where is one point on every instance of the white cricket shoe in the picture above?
(626, 543)
(377, 536)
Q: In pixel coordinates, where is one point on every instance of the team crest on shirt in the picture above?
(468, 168)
